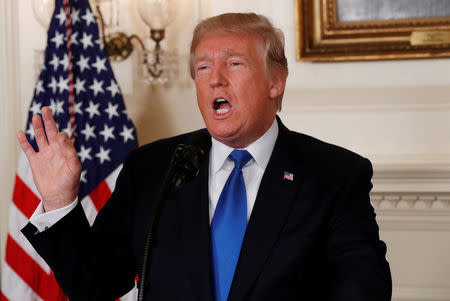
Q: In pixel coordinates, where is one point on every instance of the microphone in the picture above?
(183, 167)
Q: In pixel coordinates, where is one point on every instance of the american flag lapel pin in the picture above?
(288, 176)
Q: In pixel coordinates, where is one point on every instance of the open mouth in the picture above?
(221, 106)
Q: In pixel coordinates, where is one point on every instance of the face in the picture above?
(235, 95)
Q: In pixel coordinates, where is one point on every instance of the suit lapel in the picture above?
(268, 216)
(193, 214)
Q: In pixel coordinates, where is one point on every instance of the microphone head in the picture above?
(187, 157)
(202, 141)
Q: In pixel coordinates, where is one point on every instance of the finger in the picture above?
(68, 151)
(50, 125)
(39, 133)
(25, 145)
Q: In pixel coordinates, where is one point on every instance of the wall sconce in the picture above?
(159, 65)
(157, 14)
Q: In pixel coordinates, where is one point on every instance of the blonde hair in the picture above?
(246, 23)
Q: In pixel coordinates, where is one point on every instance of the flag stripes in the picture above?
(100, 195)
(14, 288)
(24, 198)
(31, 273)
(17, 218)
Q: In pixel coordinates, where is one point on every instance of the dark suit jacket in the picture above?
(313, 238)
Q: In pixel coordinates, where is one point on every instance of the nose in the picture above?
(217, 77)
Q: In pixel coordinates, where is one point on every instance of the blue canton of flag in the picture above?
(103, 133)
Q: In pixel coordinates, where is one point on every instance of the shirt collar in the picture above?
(260, 150)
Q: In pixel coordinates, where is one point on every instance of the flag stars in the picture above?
(56, 107)
(88, 17)
(86, 40)
(83, 63)
(30, 131)
(103, 155)
(73, 38)
(83, 176)
(92, 109)
(59, 107)
(112, 110)
(65, 62)
(54, 62)
(35, 108)
(84, 154)
(78, 108)
(58, 39)
(99, 42)
(79, 86)
(52, 106)
(88, 132)
(68, 130)
(96, 87)
(75, 16)
(127, 133)
(63, 84)
(52, 85)
(124, 112)
(113, 88)
(99, 64)
(39, 87)
(61, 16)
(107, 133)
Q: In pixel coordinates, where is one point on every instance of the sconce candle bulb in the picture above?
(157, 14)
(43, 10)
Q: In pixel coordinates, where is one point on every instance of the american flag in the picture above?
(78, 85)
(288, 176)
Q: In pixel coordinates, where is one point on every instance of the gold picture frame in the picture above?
(322, 37)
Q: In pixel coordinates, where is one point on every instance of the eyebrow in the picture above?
(227, 52)
(230, 53)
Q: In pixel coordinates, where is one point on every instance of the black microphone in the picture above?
(183, 167)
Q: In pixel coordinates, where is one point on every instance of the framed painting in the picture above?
(356, 30)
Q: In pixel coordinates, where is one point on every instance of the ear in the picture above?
(277, 84)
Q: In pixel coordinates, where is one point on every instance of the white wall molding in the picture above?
(374, 99)
(423, 175)
(412, 198)
(406, 293)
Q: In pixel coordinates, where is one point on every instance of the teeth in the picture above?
(220, 100)
(222, 111)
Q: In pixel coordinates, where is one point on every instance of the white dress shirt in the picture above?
(220, 167)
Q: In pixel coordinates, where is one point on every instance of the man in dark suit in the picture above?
(300, 225)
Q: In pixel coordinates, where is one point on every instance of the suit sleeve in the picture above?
(357, 269)
(92, 263)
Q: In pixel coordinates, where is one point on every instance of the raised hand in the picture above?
(56, 168)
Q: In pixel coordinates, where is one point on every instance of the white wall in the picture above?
(397, 113)
(9, 117)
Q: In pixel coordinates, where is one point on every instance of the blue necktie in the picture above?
(228, 226)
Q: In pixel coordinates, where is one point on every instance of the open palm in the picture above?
(55, 167)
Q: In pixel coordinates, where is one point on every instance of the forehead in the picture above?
(229, 44)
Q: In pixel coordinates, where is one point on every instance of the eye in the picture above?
(201, 68)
